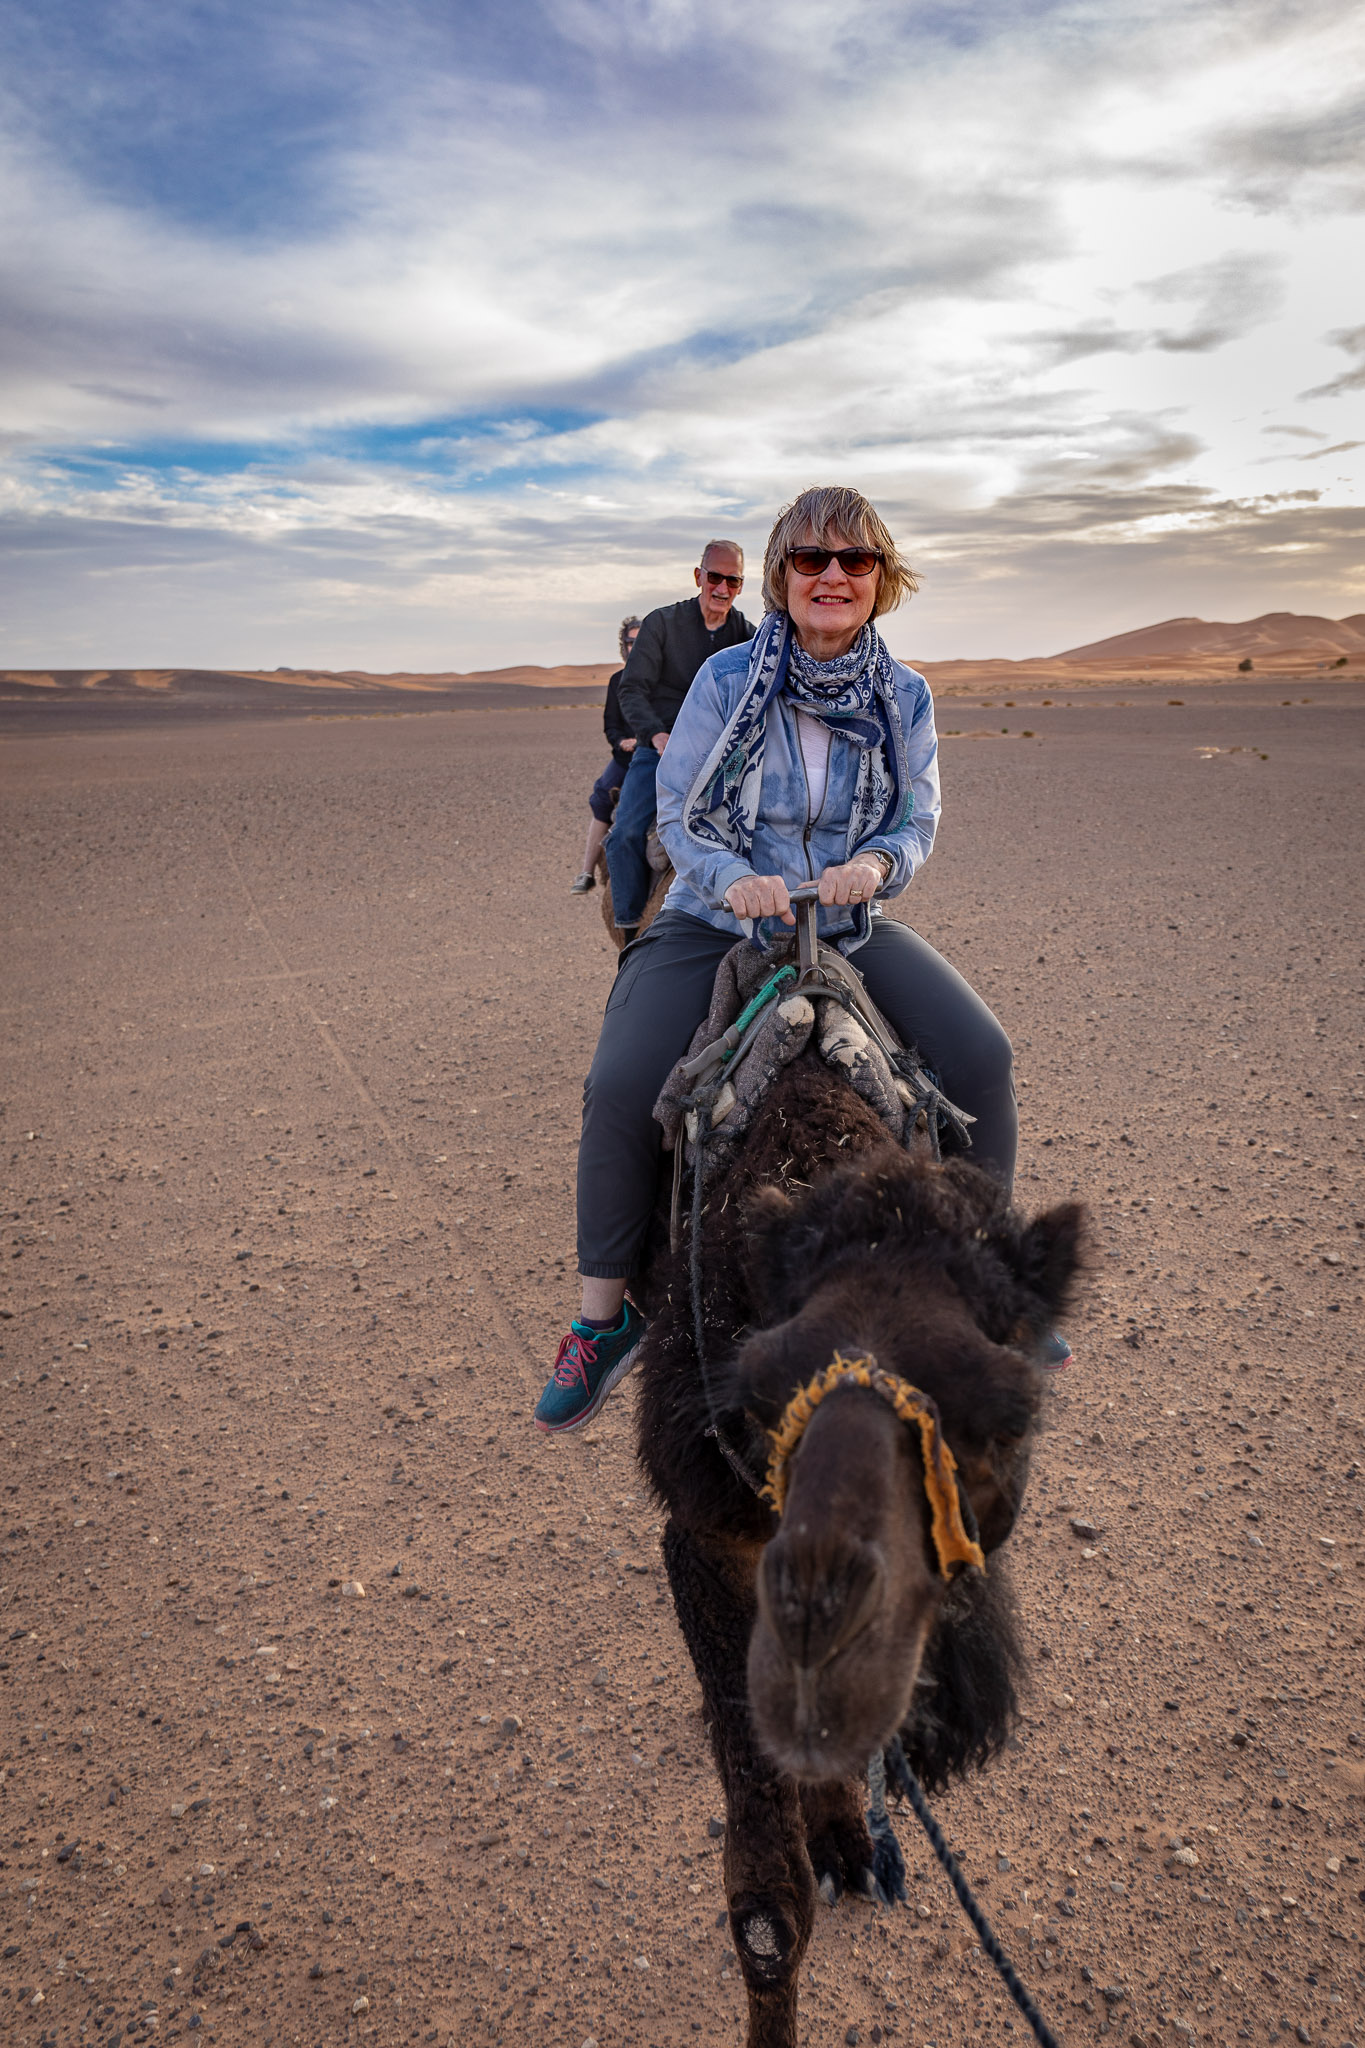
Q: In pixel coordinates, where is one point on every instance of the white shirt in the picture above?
(814, 736)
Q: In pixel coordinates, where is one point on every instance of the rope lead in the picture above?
(703, 1100)
(910, 1785)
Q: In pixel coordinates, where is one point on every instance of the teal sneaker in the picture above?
(591, 1363)
(1054, 1353)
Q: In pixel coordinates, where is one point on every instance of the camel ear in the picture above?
(767, 1215)
(763, 1375)
(994, 1481)
(1049, 1255)
(769, 1204)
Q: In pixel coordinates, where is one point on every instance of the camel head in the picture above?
(847, 1593)
(850, 1588)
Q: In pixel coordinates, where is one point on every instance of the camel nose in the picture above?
(806, 1710)
(816, 1604)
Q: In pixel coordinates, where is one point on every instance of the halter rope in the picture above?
(954, 1545)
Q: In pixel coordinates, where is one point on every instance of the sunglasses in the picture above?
(717, 576)
(815, 561)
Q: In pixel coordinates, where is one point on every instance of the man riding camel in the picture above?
(671, 646)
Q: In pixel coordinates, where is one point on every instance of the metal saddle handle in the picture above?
(824, 970)
(805, 901)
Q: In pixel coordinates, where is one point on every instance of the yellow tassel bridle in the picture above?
(951, 1541)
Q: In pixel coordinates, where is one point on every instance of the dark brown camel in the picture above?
(819, 1637)
(661, 868)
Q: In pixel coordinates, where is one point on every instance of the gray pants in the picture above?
(663, 991)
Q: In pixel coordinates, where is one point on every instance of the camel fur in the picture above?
(661, 867)
(820, 1637)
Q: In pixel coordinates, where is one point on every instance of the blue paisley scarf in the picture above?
(854, 695)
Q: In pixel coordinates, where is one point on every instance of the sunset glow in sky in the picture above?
(437, 335)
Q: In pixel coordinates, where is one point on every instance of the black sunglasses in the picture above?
(714, 576)
(815, 561)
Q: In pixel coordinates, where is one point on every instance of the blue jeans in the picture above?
(612, 776)
(631, 874)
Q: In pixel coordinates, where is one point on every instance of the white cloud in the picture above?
(1041, 282)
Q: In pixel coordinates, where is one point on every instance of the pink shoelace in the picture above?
(576, 1354)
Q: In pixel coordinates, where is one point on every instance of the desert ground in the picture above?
(339, 1705)
(98, 700)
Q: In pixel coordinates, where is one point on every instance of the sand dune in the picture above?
(1273, 635)
(1187, 651)
(106, 699)
(568, 676)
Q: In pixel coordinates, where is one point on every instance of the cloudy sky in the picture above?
(438, 333)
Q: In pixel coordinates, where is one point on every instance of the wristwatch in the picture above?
(886, 859)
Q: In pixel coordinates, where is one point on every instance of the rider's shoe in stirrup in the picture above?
(581, 884)
(1054, 1353)
(591, 1363)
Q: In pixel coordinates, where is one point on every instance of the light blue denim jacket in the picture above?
(788, 841)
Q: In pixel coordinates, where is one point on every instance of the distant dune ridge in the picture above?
(106, 699)
(1272, 635)
(1183, 650)
(581, 676)
(1176, 651)
(568, 676)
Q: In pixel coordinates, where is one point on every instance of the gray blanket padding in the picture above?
(783, 1030)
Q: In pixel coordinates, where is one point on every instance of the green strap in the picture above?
(751, 1009)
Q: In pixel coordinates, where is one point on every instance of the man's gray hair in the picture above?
(810, 520)
(633, 622)
(711, 545)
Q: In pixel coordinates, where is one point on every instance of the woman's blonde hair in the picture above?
(809, 519)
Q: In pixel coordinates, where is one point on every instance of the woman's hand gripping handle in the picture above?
(854, 881)
(755, 896)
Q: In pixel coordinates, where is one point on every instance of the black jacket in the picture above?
(613, 721)
(672, 645)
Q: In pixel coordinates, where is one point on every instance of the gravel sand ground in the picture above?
(295, 1018)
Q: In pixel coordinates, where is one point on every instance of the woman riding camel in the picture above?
(808, 754)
